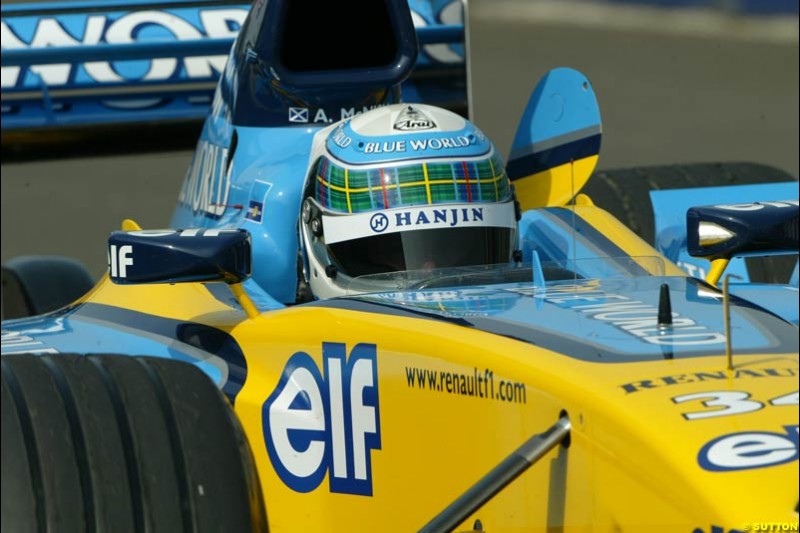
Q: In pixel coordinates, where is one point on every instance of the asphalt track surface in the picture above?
(668, 93)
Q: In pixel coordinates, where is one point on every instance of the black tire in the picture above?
(36, 284)
(625, 194)
(116, 443)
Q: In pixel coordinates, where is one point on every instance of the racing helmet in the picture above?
(399, 188)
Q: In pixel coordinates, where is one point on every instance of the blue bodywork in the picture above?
(602, 321)
(261, 193)
(561, 123)
(115, 61)
(252, 159)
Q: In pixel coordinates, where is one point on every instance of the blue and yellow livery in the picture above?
(589, 385)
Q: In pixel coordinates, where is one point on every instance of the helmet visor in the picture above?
(423, 250)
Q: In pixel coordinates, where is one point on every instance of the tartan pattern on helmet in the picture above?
(352, 191)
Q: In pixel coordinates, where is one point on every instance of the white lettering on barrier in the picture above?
(216, 23)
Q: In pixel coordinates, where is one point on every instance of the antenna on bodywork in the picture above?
(574, 239)
(664, 307)
(665, 315)
(726, 313)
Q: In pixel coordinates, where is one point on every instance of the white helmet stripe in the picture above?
(347, 227)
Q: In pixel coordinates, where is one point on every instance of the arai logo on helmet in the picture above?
(411, 119)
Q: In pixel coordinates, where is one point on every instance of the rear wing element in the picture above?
(115, 62)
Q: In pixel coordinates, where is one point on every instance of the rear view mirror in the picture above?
(723, 231)
(179, 256)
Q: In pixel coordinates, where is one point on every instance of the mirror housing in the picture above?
(740, 229)
(179, 256)
(720, 232)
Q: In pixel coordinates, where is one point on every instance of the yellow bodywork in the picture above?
(632, 461)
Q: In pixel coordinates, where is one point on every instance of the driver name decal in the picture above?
(320, 421)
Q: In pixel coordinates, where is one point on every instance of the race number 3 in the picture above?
(724, 403)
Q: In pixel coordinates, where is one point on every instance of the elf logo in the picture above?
(750, 449)
(119, 259)
(325, 422)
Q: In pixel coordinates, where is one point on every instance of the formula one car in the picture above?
(526, 363)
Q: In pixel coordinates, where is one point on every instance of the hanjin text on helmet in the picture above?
(439, 217)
